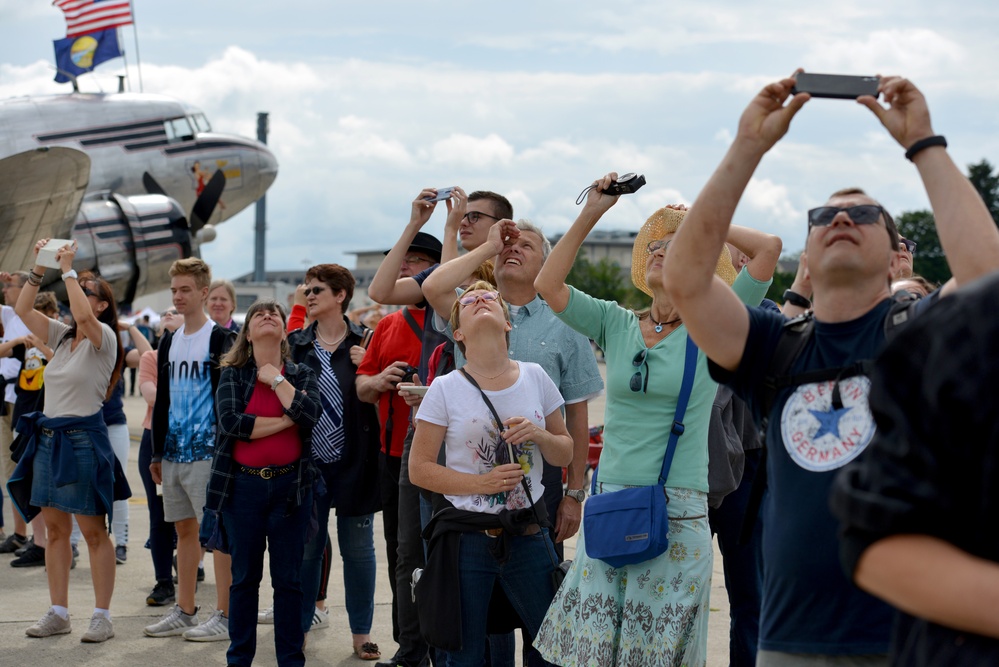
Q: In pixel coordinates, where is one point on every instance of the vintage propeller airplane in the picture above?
(138, 180)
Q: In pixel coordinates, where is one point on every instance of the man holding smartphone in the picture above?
(395, 348)
(812, 613)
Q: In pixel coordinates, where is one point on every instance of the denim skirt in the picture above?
(79, 497)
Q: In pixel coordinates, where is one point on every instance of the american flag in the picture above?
(86, 16)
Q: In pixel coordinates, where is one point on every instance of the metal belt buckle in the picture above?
(266, 473)
(493, 532)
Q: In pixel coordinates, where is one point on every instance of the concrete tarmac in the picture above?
(24, 599)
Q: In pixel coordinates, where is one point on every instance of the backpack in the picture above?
(794, 336)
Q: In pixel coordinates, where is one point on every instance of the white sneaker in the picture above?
(49, 624)
(320, 619)
(215, 629)
(173, 624)
(266, 617)
(100, 630)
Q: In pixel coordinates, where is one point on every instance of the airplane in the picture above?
(137, 180)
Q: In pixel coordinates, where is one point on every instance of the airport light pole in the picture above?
(259, 271)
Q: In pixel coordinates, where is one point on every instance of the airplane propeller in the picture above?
(203, 207)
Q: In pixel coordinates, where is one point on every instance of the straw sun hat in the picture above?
(666, 221)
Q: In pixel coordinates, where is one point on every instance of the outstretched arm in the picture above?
(550, 282)
(438, 288)
(933, 579)
(714, 316)
(967, 232)
(386, 287)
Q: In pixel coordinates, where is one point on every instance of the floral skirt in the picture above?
(648, 614)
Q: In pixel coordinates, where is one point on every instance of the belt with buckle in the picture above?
(47, 432)
(531, 529)
(269, 472)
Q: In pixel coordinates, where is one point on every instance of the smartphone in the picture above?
(836, 86)
(442, 194)
(366, 338)
(416, 389)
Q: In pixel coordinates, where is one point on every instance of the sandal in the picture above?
(367, 651)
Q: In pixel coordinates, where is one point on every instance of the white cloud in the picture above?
(464, 151)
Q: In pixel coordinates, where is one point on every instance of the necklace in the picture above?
(660, 325)
(488, 377)
(335, 343)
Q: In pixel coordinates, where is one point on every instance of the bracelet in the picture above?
(914, 149)
(796, 299)
(71, 274)
(34, 279)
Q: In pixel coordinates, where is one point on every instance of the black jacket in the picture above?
(354, 486)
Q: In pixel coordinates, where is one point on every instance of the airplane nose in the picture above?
(268, 169)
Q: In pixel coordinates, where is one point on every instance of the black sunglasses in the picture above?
(909, 245)
(89, 292)
(862, 214)
(314, 290)
(636, 383)
(475, 216)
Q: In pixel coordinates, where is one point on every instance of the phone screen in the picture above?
(836, 86)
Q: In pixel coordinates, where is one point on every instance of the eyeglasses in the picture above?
(863, 214)
(636, 383)
(469, 299)
(909, 245)
(314, 290)
(474, 216)
(416, 259)
(660, 244)
(168, 313)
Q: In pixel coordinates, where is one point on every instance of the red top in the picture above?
(394, 340)
(296, 320)
(281, 448)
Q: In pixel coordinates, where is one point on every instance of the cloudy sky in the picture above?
(370, 102)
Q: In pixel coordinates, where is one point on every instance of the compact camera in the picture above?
(626, 184)
(408, 373)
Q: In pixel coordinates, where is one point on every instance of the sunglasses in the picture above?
(469, 299)
(474, 216)
(168, 313)
(909, 245)
(660, 244)
(862, 214)
(314, 290)
(636, 383)
(89, 292)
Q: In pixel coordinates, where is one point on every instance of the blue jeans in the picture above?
(161, 534)
(356, 539)
(743, 566)
(526, 578)
(261, 513)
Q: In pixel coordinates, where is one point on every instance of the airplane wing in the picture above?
(40, 193)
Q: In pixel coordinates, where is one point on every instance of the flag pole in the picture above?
(135, 34)
(121, 87)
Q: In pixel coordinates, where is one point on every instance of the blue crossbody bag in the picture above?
(632, 525)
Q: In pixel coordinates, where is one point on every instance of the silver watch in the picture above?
(277, 380)
(579, 495)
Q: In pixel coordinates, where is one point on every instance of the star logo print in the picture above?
(829, 422)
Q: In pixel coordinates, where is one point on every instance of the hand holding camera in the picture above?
(613, 185)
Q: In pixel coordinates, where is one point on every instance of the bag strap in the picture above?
(686, 386)
(499, 425)
(411, 321)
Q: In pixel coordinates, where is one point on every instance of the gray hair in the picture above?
(528, 226)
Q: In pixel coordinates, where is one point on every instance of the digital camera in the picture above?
(626, 184)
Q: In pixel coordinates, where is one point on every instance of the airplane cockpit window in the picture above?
(200, 122)
(178, 129)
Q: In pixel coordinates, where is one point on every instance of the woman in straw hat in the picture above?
(654, 612)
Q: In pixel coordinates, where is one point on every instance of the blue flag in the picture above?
(78, 55)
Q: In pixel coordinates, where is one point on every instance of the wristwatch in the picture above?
(579, 495)
(70, 275)
(277, 380)
(796, 299)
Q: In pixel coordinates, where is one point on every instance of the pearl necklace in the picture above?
(335, 343)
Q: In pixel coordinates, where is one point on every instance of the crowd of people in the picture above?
(850, 491)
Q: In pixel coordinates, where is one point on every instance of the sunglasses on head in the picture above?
(862, 214)
(469, 299)
(636, 382)
(314, 290)
(909, 245)
(474, 216)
